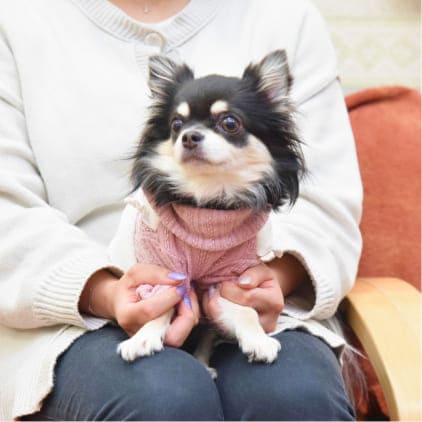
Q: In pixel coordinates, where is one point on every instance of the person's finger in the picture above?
(178, 332)
(266, 300)
(267, 296)
(271, 291)
(148, 309)
(210, 304)
(254, 276)
(195, 303)
(153, 274)
(187, 317)
(190, 305)
(233, 292)
(268, 321)
(181, 327)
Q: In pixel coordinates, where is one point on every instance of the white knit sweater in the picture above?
(73, 99)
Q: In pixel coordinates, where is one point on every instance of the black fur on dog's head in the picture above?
(220, 142)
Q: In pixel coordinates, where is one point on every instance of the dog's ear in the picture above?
(271, 76)
(165, 74)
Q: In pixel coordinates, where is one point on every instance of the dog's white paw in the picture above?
(148, 340)
(262, 348)
(141, 344)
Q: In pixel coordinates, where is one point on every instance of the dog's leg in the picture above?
(148, 340)
(242, 322)
(204, 350)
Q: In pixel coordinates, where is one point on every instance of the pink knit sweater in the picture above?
(209, 246)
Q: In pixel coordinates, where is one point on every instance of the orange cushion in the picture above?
(387, 129)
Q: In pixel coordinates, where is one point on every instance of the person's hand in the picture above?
(186, 318)
(258, 287)
(115, 298)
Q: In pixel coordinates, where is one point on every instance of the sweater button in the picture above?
(154, 39)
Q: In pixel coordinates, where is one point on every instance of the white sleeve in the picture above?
(121, 249)
(44, 260)
(322, 229)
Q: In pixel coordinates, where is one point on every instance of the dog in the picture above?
(217, 154)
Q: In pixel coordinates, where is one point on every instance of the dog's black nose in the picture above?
(191, 139)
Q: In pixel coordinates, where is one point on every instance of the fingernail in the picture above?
(245, 280)
(211, 291)
(177, 276)
(187, 301)
(182, 290)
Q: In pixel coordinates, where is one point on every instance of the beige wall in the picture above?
(377, 41)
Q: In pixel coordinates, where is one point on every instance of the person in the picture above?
(73, 99)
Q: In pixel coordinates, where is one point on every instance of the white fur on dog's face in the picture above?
(243, 150)
(223, 170)
(214, 149)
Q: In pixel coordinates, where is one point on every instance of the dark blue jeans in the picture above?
(93, 383)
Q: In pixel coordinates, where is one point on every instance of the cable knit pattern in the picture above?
(210, 246)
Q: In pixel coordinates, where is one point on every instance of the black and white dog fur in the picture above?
(223, 143)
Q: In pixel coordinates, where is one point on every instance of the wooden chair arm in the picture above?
(385, 315)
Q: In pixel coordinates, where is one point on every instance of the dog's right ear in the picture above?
(271, 76)
(165, 74)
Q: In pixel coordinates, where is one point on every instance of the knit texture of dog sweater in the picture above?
(209, 246)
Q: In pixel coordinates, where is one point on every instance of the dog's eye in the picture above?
(176, 125)
(231, 124)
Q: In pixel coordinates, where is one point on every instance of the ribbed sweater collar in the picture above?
(211, 230)
(114, 20)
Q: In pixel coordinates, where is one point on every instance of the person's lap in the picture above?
(93, 383)
(304, 383)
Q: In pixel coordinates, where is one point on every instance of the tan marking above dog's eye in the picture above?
(219, 106)
(183, 109)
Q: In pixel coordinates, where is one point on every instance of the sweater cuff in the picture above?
(57, 299)
(319, 299)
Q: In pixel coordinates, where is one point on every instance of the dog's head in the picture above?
(220, 142)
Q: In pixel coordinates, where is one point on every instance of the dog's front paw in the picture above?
(141, 344)
(262, 348)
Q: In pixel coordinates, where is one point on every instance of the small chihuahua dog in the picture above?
(216, 156)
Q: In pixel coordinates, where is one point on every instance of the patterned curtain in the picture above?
(377, 41)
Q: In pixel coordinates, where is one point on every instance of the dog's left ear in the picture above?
(271, 76)
(165, 74)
